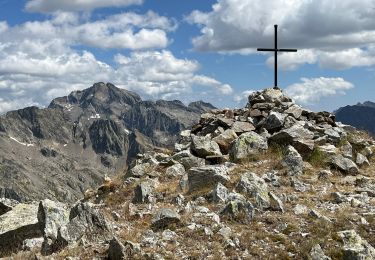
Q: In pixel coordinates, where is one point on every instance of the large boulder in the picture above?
(17, 225)
(275, 120)
(356, 248)
(246, 145)
(206, 176)
(51, 216)
(255, 187)
(237, 206)
(85, 222)
(203, 146)
(240, 127)
(344, 164)
(292, 134)
(143, 192)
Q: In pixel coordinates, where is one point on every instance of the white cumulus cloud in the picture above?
(50, 6)
(324, 29)
(312, 90)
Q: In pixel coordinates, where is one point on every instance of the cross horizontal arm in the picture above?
(264, 49)
(287, 50)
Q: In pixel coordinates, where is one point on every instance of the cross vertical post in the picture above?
(276, 50)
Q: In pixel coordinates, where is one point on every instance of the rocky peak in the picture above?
(103, 97)
(201, 106)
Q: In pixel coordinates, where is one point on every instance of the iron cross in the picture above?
(276, 50)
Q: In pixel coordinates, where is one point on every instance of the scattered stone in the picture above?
(175, 170)
(293, 161)
(324, 174)
(275, 203)
(300, 209)
(165, 218)
(143, 192)
(188, 160)
(235, 207)
(317, 253)
(246, 145)
(344, 164)
(225, 139)
(362, 160)
(242, 127)
(272, 178)
(203, 146)
(255, 187)
(220, 193)
(206, 176)
(294, 111)
(355, 247)
(347, 150)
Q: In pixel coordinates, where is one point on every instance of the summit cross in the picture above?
(276, 50)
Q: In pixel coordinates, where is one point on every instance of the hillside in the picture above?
(269, 181)
(360, 116)
(60, 151)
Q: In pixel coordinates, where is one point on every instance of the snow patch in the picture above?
(24, 144)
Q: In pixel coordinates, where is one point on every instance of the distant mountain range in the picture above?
(60, 151)
(361, 116)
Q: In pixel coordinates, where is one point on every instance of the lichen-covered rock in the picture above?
(355, 247)
(236, 206)
(362, 160)
(253, 186)
(120, 251)
(344, 164)
(207, 176)
(275, 203)
(247, 144)
(175, 170)
(241, 127)
(274, 121)
(293, 161)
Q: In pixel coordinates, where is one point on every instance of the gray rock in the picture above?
(143, 192)
(241, 127)
(272, 178)
(293, 161)
(328, 149)
(51, 216)
(206, 176)
(253, 186)
(300, 209)
(247, 144)
(238, 207)
(116, 250)
(356, 248)
(317, 253)
(220, 193)
(175, 170)
(275, 203)
(347, 150)
(164, 218)
(289, 135)
(203, 146)
(344, 164)
(294, 111)
(332, 135)
(32, 243)
(17, 225)
(119, 251)
(85, 222)
(141, 170)
(225, 139)
(361, 160)
(188, 160)
(274, 120)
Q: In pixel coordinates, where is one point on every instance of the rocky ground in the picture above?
(269, 181)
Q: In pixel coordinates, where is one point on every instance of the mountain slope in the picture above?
(60, 151)
(360, 116)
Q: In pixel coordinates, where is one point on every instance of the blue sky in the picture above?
(188, 50)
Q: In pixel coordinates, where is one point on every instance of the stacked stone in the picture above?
(271, 117)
